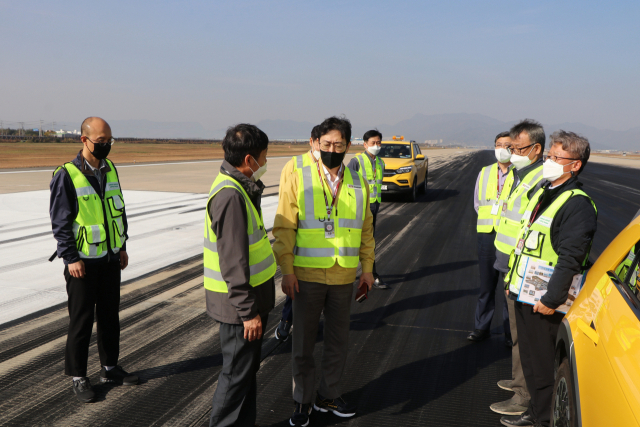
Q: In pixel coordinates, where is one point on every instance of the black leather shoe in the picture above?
(478, 335)
(83, 390)
(518, 420)
(117, 375)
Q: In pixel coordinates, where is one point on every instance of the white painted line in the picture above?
(149, 164)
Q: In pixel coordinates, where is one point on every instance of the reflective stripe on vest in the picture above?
(373, 178)
(262, 263)
(516, 203)
(301, 161)
(538, 239)
(312, 248)
(94, 237)
(488, 197)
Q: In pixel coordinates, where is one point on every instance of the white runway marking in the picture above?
(163, 228)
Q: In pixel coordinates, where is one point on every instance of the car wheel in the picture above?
(424, 186)
(563, 403)
(413, 194)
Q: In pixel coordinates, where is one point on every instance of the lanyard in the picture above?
(335, 193)
(534, 213)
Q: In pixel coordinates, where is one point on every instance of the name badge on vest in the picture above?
(112, 186)
(329, 230)
(495, 208)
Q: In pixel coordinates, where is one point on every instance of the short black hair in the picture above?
(504, 134)
(341, 124)
(315, 132)
(241, 140)
(533, 129)
(371, 134)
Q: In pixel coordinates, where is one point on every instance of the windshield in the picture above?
(395, 151)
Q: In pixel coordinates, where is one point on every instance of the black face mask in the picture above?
(101, 151)
(331, 160)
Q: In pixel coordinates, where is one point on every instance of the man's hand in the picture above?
(366, 278)
(290, 285)
(506, 293)
(253, 329)
(77, 269)
(542, 309)
(124, 260)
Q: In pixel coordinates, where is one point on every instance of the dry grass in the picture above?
(28, 155)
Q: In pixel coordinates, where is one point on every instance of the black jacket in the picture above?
(572, 233)
(63, 209)
(228, 215)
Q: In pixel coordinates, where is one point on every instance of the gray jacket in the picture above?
(229, 223)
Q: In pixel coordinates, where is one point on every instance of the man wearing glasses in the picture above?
(492, 189)
(89, 222)
(528, 141)
(323, 229)
(557, 230)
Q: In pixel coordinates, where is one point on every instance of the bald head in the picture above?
(92, 126)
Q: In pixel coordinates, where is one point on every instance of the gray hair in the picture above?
(577, 145)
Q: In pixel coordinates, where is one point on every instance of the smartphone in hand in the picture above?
(362, 293)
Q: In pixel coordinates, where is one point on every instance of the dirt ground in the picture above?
(29, 155)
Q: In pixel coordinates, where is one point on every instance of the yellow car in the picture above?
(406, 168)
(598, 345)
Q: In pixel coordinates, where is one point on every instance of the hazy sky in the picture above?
(222, 62)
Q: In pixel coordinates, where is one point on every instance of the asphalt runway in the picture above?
(409, 361)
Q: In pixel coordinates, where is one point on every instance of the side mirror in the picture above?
(420, 157)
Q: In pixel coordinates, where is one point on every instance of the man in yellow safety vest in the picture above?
(323, 229)
(238, 272)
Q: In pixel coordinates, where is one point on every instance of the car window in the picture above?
(395, 151)
(417, 149)
(628, 271)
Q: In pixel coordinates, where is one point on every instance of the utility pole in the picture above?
(21, 128)
(40, 133)
(1, 128)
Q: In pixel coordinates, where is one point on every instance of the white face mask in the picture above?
(374, 149)
(258, 173)
(316, 154)
(521, 161)
(502, 154)
(552, 171)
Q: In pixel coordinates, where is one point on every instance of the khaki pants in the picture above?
(518, 384)
(309, 303)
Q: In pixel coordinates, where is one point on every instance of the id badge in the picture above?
(504, 208)
(329, 230)
(495, 208)
(519, 247)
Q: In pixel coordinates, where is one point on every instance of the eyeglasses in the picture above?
(556, 158)
(518, 151)
(110, 141)
(326, 145)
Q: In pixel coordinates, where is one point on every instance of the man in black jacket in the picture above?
(571, 233)
(243, 309)
(92, 271)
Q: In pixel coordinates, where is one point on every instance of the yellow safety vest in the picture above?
(262, 263)
(373, 178)
(312, 248)
(507, 232)
(93, 236)
(488, 198)
(538, 238)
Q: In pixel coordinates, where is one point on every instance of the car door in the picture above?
(607, 349)
(420, 163)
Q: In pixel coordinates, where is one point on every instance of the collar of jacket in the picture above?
(253, 189)
(524, 171)
(79, 161)
(570, 184)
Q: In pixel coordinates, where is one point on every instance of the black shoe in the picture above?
(379, 284)
(508, 342)
(518, 420)
(117, 375)
(83, 390)
(338, 406)
(282, 331)
(478, 335)
(300, 416)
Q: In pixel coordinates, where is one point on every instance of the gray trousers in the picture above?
(308, 304)
(234, 401)
(519, 385)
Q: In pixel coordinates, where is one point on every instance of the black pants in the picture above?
(234, 401)
(96, 294)
(287, 312)
(537, 335)
(490, 281)
(374, 211)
